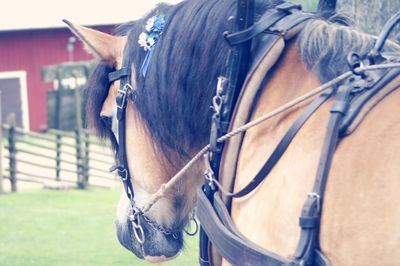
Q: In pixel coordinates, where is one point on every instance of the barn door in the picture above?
(14, 97)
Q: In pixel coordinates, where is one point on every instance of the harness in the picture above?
(352, 101)
(212, 212)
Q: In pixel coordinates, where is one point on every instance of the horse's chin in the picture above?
(158, 259)
(157, 247)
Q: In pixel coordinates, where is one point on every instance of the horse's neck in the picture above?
(290, 79)
(362, 189)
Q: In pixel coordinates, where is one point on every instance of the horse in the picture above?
(169, 118)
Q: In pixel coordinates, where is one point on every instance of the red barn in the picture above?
(22, 55)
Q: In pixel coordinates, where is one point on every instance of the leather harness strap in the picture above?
(236, 250)
(212, 227)
(362, 100)
(282, 146)
(311, 213)
(265, 23)
(228, 92)
(236, 71)
(214, 216)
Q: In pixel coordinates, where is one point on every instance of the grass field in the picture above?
(42, 227)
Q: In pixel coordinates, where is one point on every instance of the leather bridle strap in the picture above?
(283, 145)
(125, 93)
(122, 97)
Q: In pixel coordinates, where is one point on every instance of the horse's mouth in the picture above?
(157, 246)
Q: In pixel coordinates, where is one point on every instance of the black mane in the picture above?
(174, 98)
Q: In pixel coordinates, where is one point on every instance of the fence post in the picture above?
(1, 150)
(79, 159)
(58, 156)
(12, 152)
(86, 164)
(78, 138)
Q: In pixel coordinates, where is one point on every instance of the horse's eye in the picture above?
(106, 121)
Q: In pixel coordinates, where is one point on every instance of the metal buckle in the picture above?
(317, 197)
(124, 91)
(209, 177)
(125, 172)
(217, 103)
(120, 170)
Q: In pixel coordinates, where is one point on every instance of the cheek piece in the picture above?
(127, 92)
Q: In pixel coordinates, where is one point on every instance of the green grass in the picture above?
(67, 228)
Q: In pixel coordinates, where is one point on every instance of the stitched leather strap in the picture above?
(263, 24)
(282, 146)
(118, 74)
(313, 206)
(217, 224)
(233, 248)
(360, 102)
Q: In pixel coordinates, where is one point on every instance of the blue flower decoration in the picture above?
(149, 38)
(154, 28)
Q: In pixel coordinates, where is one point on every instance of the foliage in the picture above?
(66, 228)
(308, 5)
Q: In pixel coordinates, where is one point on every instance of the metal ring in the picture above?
(217, 104)
(138, 231)
(355, 63)
(195, 230)
(135, 221)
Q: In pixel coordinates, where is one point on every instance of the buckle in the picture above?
(121, 99)
(122, 172)
(317, 197)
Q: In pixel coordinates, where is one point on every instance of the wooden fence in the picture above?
(56, 157)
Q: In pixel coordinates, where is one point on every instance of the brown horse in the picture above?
(170, 121)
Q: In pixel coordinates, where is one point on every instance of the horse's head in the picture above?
(168, 122)
(148, 165)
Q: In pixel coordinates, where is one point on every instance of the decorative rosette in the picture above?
(154, 28)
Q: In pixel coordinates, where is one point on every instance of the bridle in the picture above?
(126, 93)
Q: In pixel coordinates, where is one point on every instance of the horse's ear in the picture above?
(99, 44)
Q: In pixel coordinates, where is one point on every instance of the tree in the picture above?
(370, 15)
